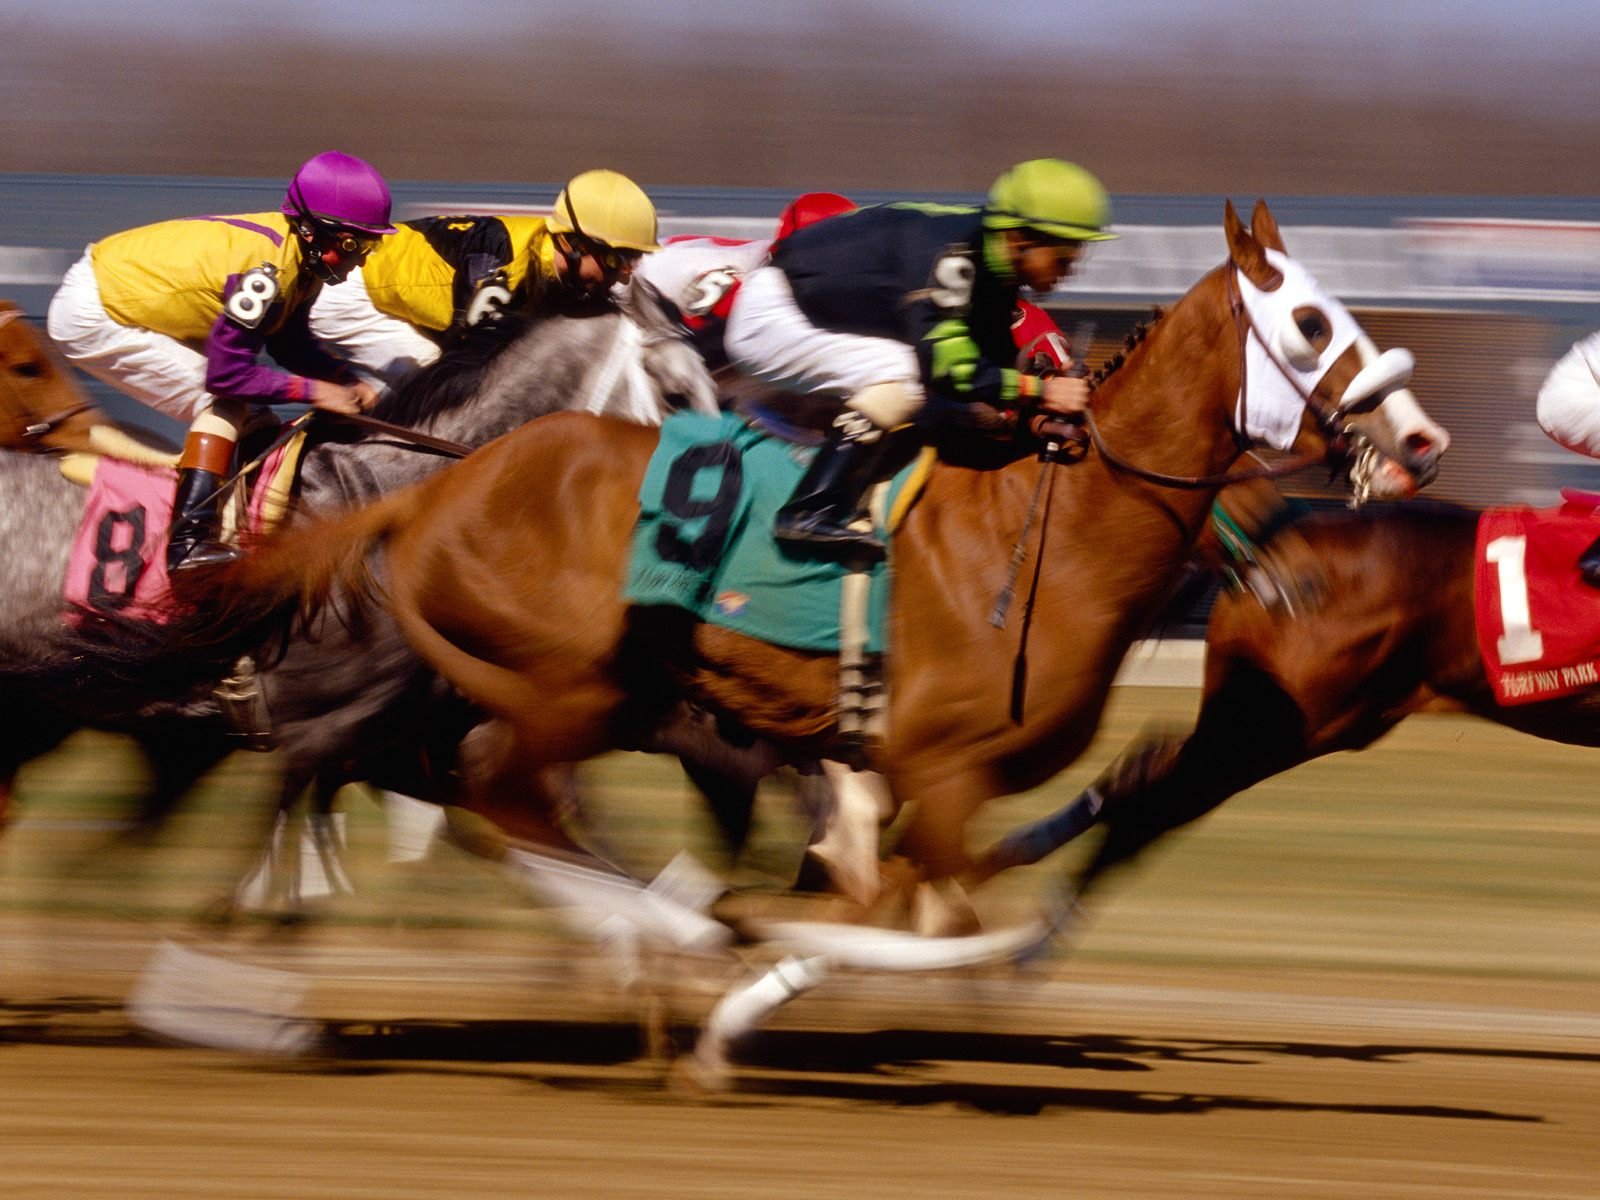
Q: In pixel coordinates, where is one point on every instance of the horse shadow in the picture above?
(902, 1068)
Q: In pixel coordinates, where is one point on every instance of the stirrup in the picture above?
(822, 529)
(200, 554)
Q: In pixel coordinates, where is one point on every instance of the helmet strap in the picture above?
(1000, 252)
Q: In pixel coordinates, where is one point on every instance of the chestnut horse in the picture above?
(503, 572)
(1368, 616)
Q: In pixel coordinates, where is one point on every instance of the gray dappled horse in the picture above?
(630, 362)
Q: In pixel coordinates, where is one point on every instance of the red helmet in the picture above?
(340, 190)
(809, 209)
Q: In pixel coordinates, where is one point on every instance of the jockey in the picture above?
(440, 275)
(701, 275)
(177, 314)
(1568, 410)
(890, 306)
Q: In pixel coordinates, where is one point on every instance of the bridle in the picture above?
(1329, 419)
(30, 427)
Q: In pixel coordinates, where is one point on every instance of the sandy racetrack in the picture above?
(1323, 992)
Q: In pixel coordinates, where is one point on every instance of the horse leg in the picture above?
(270, 880)
(1249, 729)
(520, 798)
(1134, 769)
(178, 757)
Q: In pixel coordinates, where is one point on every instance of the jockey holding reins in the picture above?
(890, 306)
(177, 314)
(440, 275)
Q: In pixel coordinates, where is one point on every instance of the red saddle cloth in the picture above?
(1538, 622)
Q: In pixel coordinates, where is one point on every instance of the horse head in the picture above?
(42, 406)
(1311, 377)
(669, 357)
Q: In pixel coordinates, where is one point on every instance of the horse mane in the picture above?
(451, 380)
(1115, 362)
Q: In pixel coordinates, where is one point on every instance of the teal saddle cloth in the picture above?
(704, 539)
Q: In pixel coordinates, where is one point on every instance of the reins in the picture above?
(400, 433)
(46, 425)
(1245, 326)
(1045, 490)
(37, 427)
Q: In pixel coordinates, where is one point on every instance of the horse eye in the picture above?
(1314, 327)
(28, 370)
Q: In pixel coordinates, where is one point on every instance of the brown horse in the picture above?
(41, 406)
(1368, 617)
(503, 572)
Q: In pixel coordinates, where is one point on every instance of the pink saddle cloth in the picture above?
(118, 561)
(119, 556)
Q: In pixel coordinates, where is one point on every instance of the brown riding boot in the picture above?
(196, 533)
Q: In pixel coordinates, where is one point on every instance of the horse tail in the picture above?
(300, 572)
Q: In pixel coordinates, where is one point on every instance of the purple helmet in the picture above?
(340, 189)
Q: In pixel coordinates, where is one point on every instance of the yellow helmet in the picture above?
(609, 208)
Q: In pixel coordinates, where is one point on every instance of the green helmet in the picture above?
(1055, 197)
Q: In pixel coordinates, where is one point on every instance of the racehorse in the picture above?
(511, 594)
(630, 361)
(1368, 617)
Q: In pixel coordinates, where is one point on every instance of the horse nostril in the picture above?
(1420, 447)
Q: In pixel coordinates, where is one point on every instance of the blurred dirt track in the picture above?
(1375, 977)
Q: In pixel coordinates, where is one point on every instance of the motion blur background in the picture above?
(1432, 162)
(1227, 96)
(1373, 977)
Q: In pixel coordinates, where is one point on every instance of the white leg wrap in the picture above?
(742, 1011)
(209, 1001)
(848, 847)
(594, 898)
(412, 825)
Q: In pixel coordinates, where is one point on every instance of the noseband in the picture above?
(1328, 418)
(30, 427)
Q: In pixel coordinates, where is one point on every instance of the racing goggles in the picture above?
(609, 257)
(349, 245)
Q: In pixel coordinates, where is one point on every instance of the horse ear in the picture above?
(1247, 255)
(1265, 226)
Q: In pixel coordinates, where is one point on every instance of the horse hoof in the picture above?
(698, 1076)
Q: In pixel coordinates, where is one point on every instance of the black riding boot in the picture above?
(1589, 564)
(828, 497)
(195, 539)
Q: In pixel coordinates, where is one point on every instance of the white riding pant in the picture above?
(157, 370)
(344, 319)
(770, 339)
(1568, 407)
